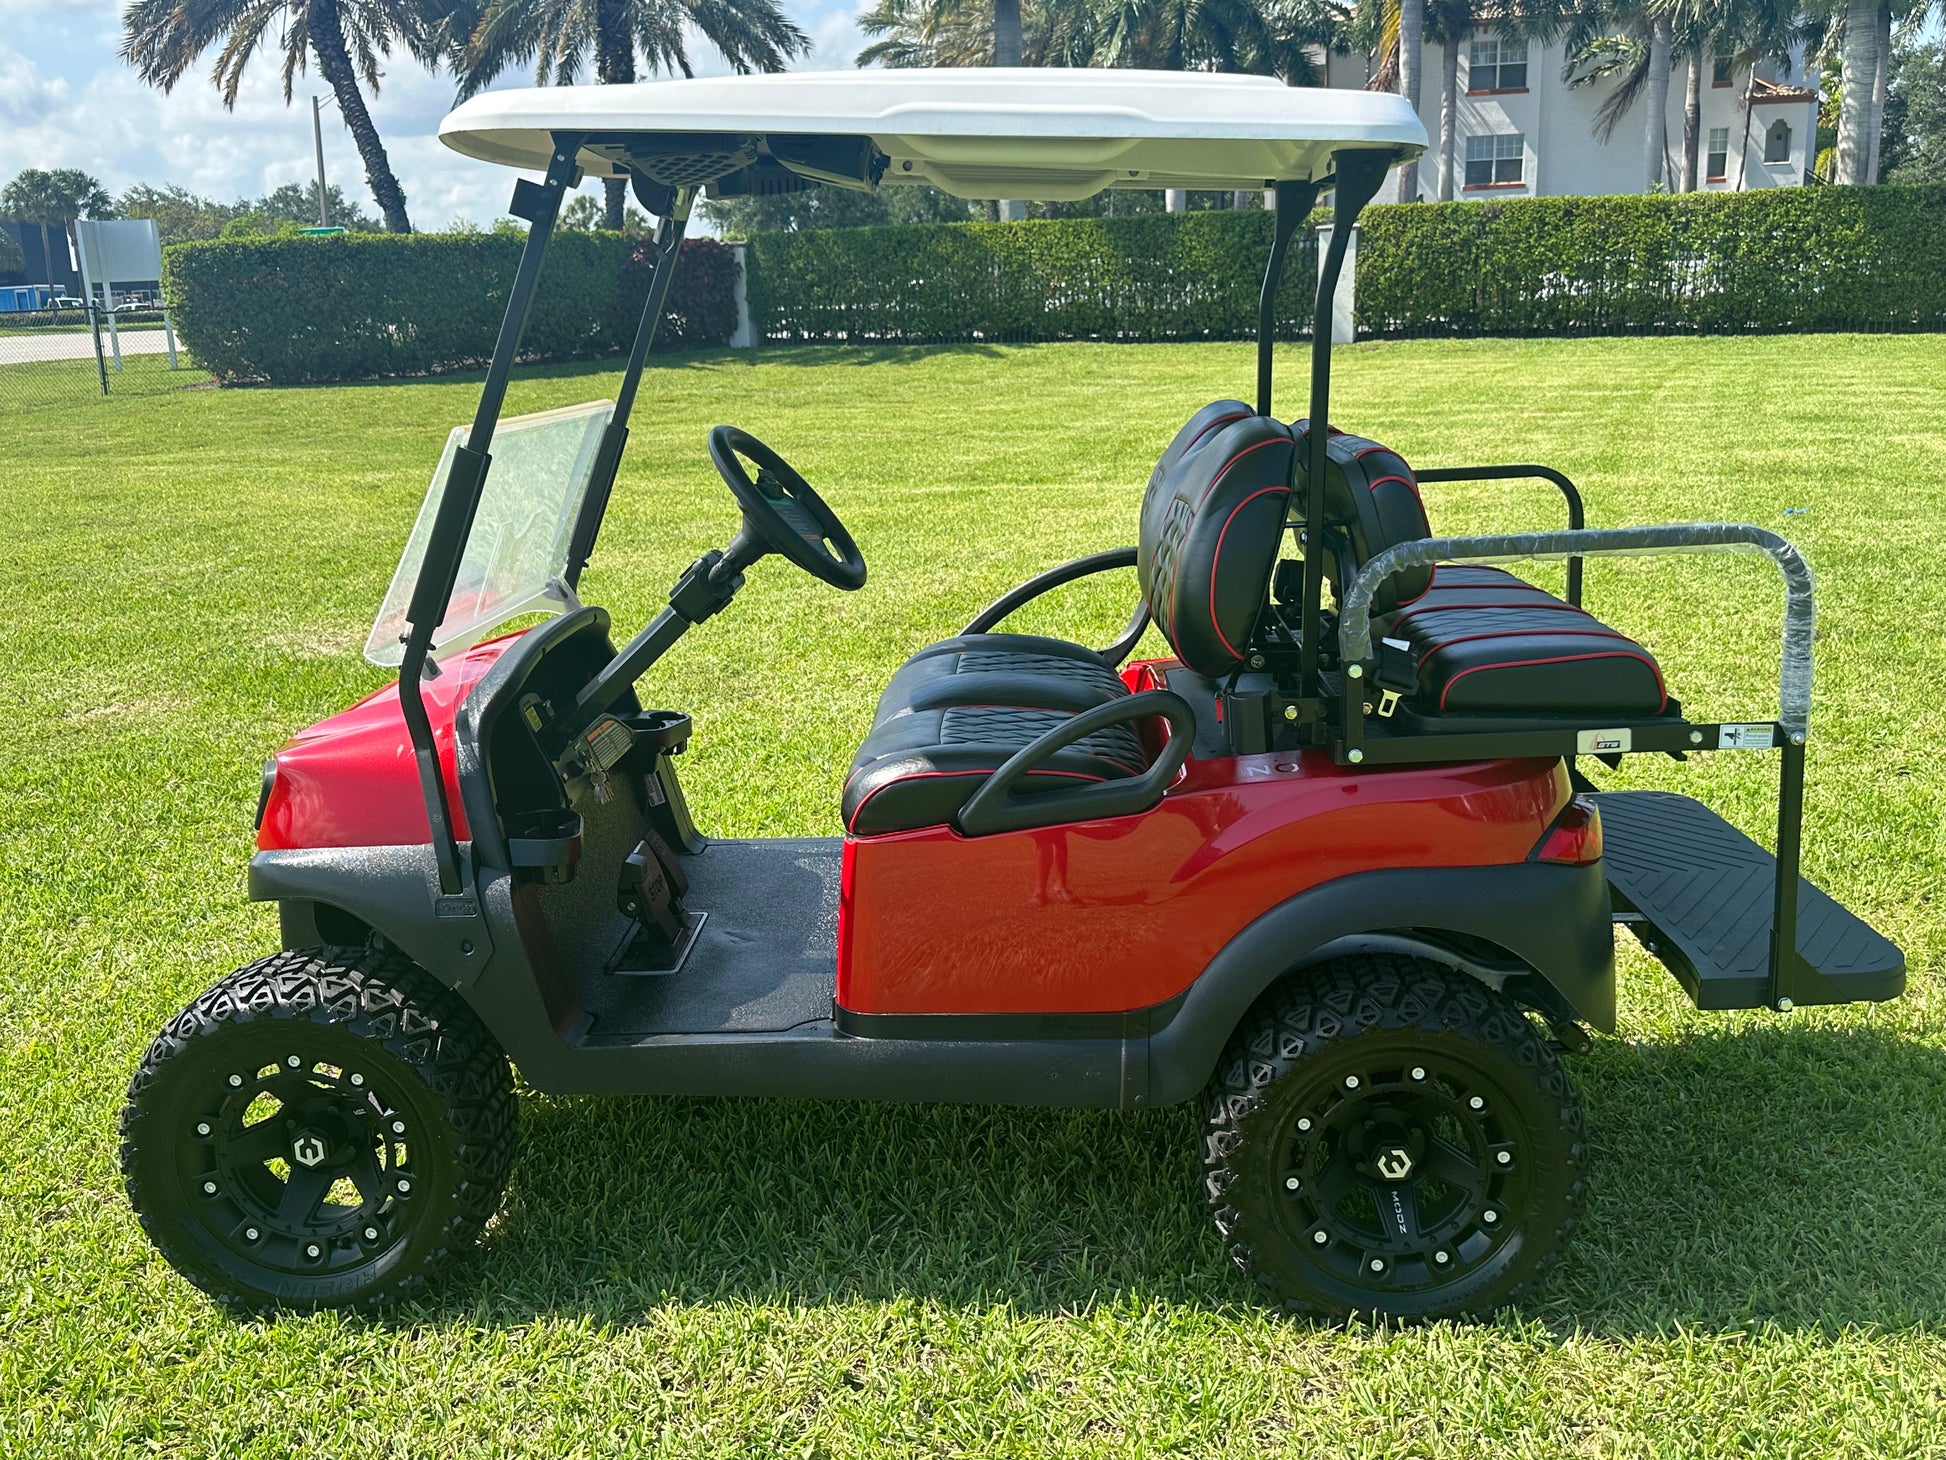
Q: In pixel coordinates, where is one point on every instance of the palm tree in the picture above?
(162, 39)
(1861, 64)
(557, 36)
(54, 200)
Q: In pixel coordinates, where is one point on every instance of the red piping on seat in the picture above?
(1601, 631)
(1217, 557)
(1661, 688)
(859, 810)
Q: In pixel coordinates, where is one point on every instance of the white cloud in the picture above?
(67, 101)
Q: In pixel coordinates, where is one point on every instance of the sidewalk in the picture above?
(28, 349)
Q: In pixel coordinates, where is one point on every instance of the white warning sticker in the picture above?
(1604, 742)
(1746, 737)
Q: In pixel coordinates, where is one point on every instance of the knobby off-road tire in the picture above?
(1387, 1137)
(322, 1129)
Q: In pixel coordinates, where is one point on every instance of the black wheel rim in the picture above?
(1402, 1174)
(301, 1165)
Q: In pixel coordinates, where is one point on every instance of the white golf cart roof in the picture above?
(1040, 133)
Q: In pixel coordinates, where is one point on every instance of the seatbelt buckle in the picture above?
(1397, 675)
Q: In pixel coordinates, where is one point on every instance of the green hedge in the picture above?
(295, 310)
(1184, 276)
(1780, 259)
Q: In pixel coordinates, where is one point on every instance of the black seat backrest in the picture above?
(1212, 521)
(1371, 496)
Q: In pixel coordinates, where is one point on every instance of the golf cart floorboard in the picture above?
(1698, 893)
(764, 961)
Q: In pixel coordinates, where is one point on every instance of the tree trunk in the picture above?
(47, 263)
(1448, 115)
(334, 64)
(1412, 45)
(1743, 157)
(1860, 75)
(1692, 121)
(1007, 52)
(1175, 200)
(614, 66)
(1006, 32)
(1880, 84)
(1655, 141)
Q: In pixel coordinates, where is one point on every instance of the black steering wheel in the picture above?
(781, 513)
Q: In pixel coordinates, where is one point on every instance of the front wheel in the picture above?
(1387, 1137)
(322, 1129)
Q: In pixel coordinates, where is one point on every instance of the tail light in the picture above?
(1575, 838)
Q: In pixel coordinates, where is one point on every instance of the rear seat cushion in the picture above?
(917, 769)
(1000, 669)
(1483, 642)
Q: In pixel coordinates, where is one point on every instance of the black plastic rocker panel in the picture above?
(1698, 893)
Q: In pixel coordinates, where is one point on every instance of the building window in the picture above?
(1495, 162)
(1720, 73)
(1777, 142)
(1719, 155)
(1497, 65)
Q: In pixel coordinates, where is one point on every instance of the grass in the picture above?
(1760, 1270)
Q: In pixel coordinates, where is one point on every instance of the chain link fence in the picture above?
(78, 355)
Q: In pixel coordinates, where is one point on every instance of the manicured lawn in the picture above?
(189, 577)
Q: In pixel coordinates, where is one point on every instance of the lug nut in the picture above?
(1476, 1103)
(398, 1127)
(313, 1250)
(202, 1127)
(209, 1188)
(1290, 1183)
(1320, 1238)
(1356, 757)
(371, 1234)
(251, 1234)
(1304, 1122)
(1489, 1216)
(1378, 1264)
(1505, 1158)
(404, 1187)
(235, 1081)
(293, 1061)
(1351, 1082)
(1442, 1256)
(357, 1079)
(1418, 1072)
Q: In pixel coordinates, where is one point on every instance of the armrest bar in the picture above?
(1577, 517)
(993, 613)
(1794, 675)
(994, 807)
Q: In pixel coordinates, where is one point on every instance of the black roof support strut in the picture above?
(1358, 175)
(1295, 200)
(445, 548)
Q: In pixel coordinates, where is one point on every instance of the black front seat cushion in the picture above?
(1211, 521)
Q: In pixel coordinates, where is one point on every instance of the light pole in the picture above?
(317, 140)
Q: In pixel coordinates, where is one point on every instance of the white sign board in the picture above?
(126, 252)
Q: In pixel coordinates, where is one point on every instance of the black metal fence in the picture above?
(77, 355)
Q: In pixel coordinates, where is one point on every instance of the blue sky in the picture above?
(65, 101)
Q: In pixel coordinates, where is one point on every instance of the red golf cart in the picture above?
(1331, 868)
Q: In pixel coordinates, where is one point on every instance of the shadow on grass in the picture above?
(1784, 1176)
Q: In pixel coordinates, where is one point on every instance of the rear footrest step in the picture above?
(1698, 893)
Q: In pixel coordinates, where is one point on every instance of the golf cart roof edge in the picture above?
(983, 132)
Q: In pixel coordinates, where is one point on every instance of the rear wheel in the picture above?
(1387, 1137)
(321, 1129)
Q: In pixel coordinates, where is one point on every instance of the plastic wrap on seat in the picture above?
(1794, 674)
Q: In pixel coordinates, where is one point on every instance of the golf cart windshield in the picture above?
(516, 555)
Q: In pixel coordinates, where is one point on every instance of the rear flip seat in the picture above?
(1479, 640)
